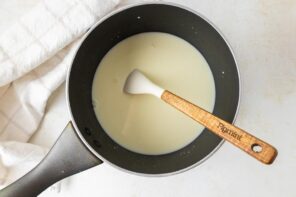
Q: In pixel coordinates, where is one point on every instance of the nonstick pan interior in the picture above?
(151, 18)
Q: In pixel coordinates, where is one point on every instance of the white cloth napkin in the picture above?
(34, 56)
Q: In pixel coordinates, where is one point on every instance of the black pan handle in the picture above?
(68, 156)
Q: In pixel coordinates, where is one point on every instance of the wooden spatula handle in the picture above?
(240, 138)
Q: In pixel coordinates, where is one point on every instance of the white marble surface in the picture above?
(262, 34)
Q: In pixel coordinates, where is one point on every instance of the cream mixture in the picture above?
(144, 123)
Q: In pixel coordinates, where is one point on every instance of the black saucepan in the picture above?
(84, 144)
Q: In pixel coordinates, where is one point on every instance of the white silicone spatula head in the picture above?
(137, 83)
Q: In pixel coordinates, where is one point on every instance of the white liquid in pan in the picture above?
(144, 123)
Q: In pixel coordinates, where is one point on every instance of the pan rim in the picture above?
(118, 10)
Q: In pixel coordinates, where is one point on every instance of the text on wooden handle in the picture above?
(230, 132)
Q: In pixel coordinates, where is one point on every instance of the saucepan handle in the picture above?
(68, 156)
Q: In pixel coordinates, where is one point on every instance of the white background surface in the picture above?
(263, 36)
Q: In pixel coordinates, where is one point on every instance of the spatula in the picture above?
(137, 83)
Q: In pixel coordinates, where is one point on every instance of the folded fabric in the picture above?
(34, 56)
(17, 159)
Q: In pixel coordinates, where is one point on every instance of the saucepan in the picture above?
(84, 143)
